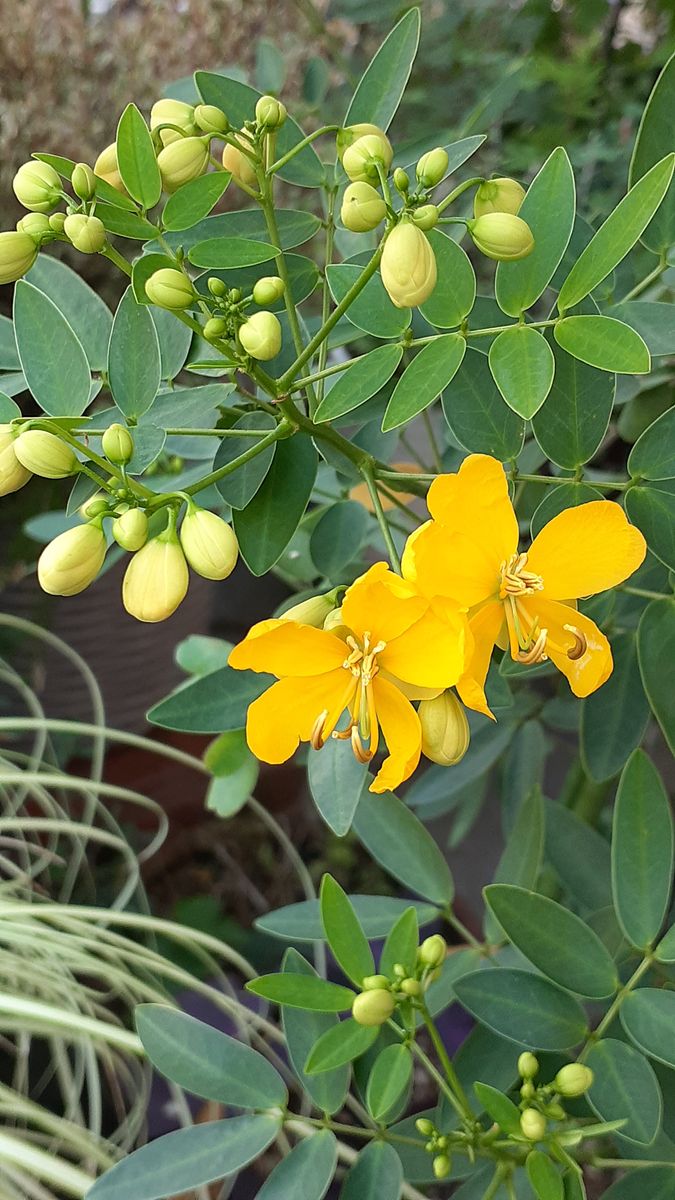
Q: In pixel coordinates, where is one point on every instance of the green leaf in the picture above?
(187, 1159)
(52, 357)
(235, 772)
(556, 941)
(436, 790)
(653, 455)
(654, 1182)
(648, 1016)
(265, 527)
(549, 209)
(194, 200)
(452, 298)
(344, 934)
(614, 718)
(307, 1171)
(642, 851)
(522, 366)
(665, 951)
(336, 780)
(656, 645)
(133, 358)
(84, 310)
(546, 1183)
(337, 537)
(126, 224)
(522, 778)
(174, 344)
(388, 1080)
(654, 321)
(372, 311)
(477, 414)
(142, 270)
(573, 1184)
(573, 420)
(401, 944)
(423, 380)
(302, 991)
(377, 1173)
(524, 1007)
(603, 342)
(239, 488)
(399, 842)
(104, 190)
(580, 856)
(340, 1044)
(382, 84)
(625, 1086)
(9, 358)
(521, 858)
(617, 235)
(206, 1062)
(136, 158)
(359, 382)
(652, 509)
(231, 252)
(9, 409)
(294, 228)
(302, 1030)
(212, 703)
(556, 500)
(302, 922)
(654, 137)
(499, 1107)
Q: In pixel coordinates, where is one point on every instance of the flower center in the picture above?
(524, 629)
(515, 580)
(363, 728)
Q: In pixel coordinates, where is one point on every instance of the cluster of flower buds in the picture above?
(380, 994)
(437, 1144)
(541, 1103)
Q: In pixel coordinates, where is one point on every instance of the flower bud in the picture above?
(36, 225)
(408, 266)
(573, 1080)
(425, 1127)
(260, 336)
(360, 160)
(106, 168)
(441, 1166)
(362, 208)
(130, 531)
(433, 950)
(44, 454)
(373, 983)
(411, 987)
(425, 217)
(94, 506)
(239, 164)
(173, 112)
(498, 195)
(209, 543)
(533, 1124)
(373, 1008)
(57, 222)
(156, 580)
(83, 181)
(401, 180)
(270, 113)
(72, 561)
(210, 119)
(169, 288)
(117, 444)
(528, 1089)
(87, 234)
(313, 611)
(347, 136)
(182, 161)
(334, 620)
(268, 290)
(215, 327)
(528, 1065)
(13, 474)
(18, 252)
(37, 186)
(445, 729)
(216, 286)
(555, 1111)
(432, 167)
(502, 236)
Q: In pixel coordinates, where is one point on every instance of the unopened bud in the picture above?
(210, 119)
(83, 180)
(573, 1080)
(362, 158)
(57, 222)
(117, 444)
(502, 236)
(362, 208)
(433, 950)
(18, 251)
(401, 180)
(268, 290)
(94, 507)
(313, 611)
(425, 217)
(130, 530)
(555, 1111)
(498, 195)
(37, 186)
(209, 543)
(72, 561)
(372, 983)
(216, 286)
(334, 620)
(173, 112)
(527, 1090)
(215, 327)
(260, 336)
(351, 133)
(36, 225)
(13, 474)
(432, 167)
(106, 167)
(528, 1065)
(183, 160)
(270, 113)
(445, 729)
(533, 1124)
(373, 1008)
(441, 1166)
(425, 1127)
(169, 288)
(238, 163)
(410, 987)
(87, 234)
(45, 454)
(156, 580)
(408, 266)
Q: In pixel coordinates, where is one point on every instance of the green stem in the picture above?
(614, 1007)
(646, 595)
(118, 259)
(282, 430)
(381, 518)
(300, 384)
(434, 1073)
(645, 283)
(495, 1183)
(462, 930)
(450, 1072)
(325, 291)
(463, 187)
(306, 141)
(553, 481)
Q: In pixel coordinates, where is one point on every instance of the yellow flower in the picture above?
(523, 602)
(395, 647)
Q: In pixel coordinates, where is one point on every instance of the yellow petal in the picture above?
(586, 550)
(459, 566)
(486, 626)
(588, 672)
(476, 501)
(286, 713)
(401, 731)
(381, 604)
(431, 652)
(286, 648)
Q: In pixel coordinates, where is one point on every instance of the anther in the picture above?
(317, 740)
(360, 753)
(580, 643)
(536, 652)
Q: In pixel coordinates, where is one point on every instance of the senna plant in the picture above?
(533, 603)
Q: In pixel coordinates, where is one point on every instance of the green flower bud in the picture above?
(130, 530)
(215, 327)
(36, 225)
(528, 1065)
(72, 561)
(57, 222)
(235, 295)
(169, 288)
(216, 286)
(441, 1166)
(270, 113)
(260, 336)
(268, 290)
(399, 971)
(502, 236)
(373, 1008)
(425, 217)
(533, 1124)
(374, 983)
(362, 208)
(210, 119)
(117, 444)
(555, 1111)
(411, 987)
(209, 543)
(334, 620)
(425, 1127)
(527, 1090)
(360, 160)
(432, 167)
(313, 611)
(87, 234)
(498, 195)
(183, 160)
(173, 112)
(346, 137)
(13, 474)
(401, 180)
(573, 1080)
(433, 950)
(106, 168)
(445, 729)
(45, 454)
(37, 186)
(94, 507)
(18, 251)
(408, 266)
(156, 580)
(239, 164)
(83, 181)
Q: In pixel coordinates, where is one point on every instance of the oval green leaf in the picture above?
(212, 703)
(614, 718)
(654, 1182)
(378, 93)
(336, 780)
(302, 1030)
(377, 1174)
(573, 420)
(652, 141)
(452, 298)
(344, 934)
(499, 1107)
(294, 228)
(580, 856)
(423, 380)
(194, 200)
(653, 455)
(229, 253)
(625, 1088)
(523, 1007)
(642, 851)
(136, 158)
(359, 382)
(397, 839)
(340, 1044)
(134, 366)
(86, 313)
(656, 645)
(401, 944)
(648, 1016)
(522, 366)
(301, 922)
(307, 1171)
(652, 509)
(52, 357)
(603, 342)
(477, 414)
(372, 310)
(265, 527)
(388, 1080)
(337, 537)
(302, 991)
